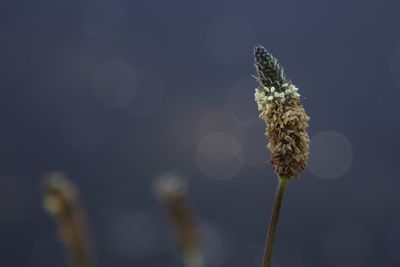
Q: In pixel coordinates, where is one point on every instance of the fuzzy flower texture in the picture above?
(280, 107)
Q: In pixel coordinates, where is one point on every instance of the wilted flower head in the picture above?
(170, 185)
(280, 107)
(171, 189)
(61, 201)
(59, 194)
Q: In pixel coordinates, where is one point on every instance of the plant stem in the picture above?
(280, 191)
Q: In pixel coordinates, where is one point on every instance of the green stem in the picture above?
(280, 191)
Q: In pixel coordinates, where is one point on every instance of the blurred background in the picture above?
(116, 92)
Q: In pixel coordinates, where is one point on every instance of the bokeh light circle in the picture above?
(220, 156)
(331, 155)
(68, 72)
(149, 95)
(213, 122)
(114, 84)
(254, 143)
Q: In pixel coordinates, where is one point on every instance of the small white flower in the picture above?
(264, 94)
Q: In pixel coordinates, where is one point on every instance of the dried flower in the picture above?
(280, 107)
(61, 202)
(171, 189)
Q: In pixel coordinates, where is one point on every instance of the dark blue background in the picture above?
(113, 93)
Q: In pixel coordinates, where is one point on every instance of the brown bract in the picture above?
(288, 139)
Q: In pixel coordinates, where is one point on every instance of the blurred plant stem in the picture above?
(62, 202)
(273, 224)
(193, 258)
(171, 189)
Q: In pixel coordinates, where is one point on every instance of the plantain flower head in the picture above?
(280, 106)
(172, 190)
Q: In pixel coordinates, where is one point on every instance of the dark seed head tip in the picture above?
(270, 73)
